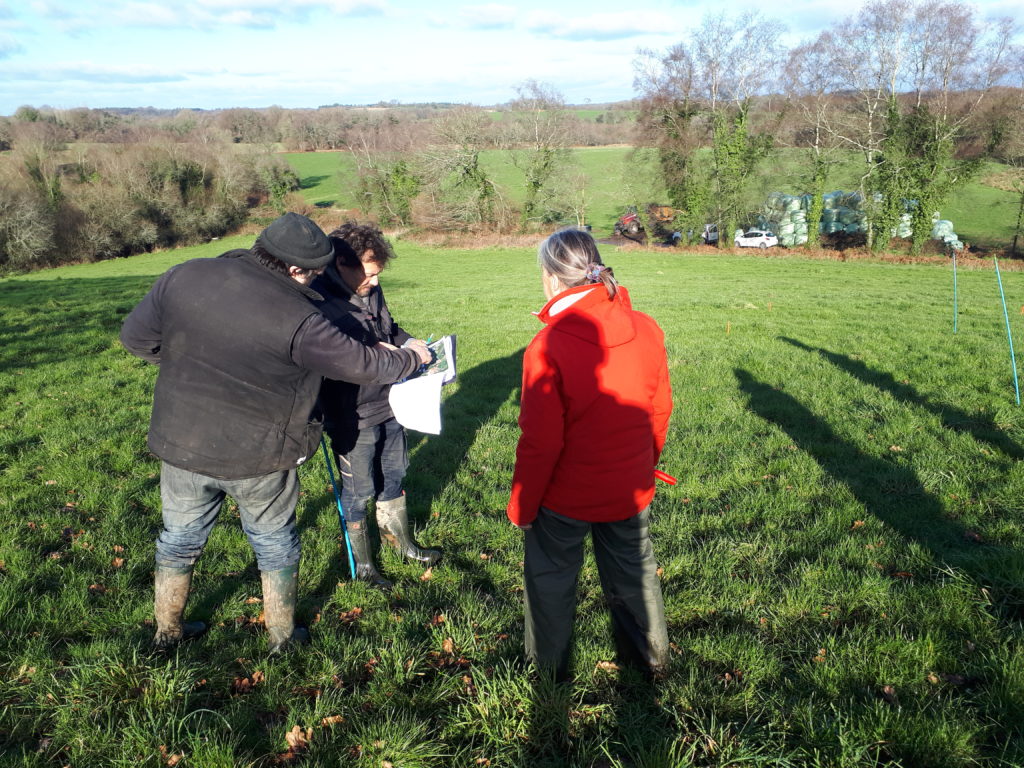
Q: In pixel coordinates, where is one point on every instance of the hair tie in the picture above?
(594, 272)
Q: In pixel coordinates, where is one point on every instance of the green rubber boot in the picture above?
(170, 593)
(280, 590)
(359, 536)
(393, 521)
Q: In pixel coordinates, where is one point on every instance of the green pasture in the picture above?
(328, 179)
(842, 562)
(615, 177)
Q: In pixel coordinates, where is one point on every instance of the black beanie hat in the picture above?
(298, 241)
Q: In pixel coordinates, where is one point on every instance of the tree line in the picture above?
(920, 92)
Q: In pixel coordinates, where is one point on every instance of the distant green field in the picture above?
(614, 179)
(328, 179)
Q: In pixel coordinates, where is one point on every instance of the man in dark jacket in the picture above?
(369, 444)
(241, 352)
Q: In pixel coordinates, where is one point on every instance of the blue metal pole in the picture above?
(341, 511)
(954, 292)
(1009, 336)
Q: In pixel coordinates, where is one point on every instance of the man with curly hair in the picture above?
(369, 444)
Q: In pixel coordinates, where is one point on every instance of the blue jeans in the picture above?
(191, 502)
(373, 468)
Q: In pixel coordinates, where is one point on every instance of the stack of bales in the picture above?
(843, 212)
(786, 216)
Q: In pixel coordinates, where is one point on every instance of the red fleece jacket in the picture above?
(594, 411)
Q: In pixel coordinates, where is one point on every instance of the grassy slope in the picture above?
(848, 518)
(328, 178)
(980, 214)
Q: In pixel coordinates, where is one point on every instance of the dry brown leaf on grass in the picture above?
(117, 562)
(298, 738)
(888, 694)
(608, 666)
(253, 600)
(427, 574)
(170, 759)
(351, 616)
(243, 685)
(97, 589)
(332, 720)
(448, 646)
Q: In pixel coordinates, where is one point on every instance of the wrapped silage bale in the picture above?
(942, 229)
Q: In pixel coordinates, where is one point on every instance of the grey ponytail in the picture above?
(572, 257)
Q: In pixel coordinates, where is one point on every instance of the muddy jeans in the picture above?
(191, 502)
(628, 571)
(374, 468)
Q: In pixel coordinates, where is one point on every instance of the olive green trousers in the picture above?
(628, 571)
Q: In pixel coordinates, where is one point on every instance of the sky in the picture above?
(212, 54)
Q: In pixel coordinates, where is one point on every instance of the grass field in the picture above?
(842, 558)
(328, 179)
(982, 215)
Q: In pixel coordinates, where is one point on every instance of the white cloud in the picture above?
(205, 14)
(603, 26)
(9, 46)
(490, 16)
(89, 72)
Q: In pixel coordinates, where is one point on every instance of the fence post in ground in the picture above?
(1009, 336)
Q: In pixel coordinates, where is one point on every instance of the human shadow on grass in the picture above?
(308, 182)
(67, 319)
(981, 428)
(435, 460)
(893, 493)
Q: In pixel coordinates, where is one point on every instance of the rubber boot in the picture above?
(170, 595)
(280, 590)
(359, 537)
(393, 521)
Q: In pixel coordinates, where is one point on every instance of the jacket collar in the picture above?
(339, 287)
(587, 313)
(292, 283)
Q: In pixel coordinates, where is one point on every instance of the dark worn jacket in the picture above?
(349, 407)
(241, 352)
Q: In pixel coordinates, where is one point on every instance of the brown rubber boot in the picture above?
(171, 586)
(280, 591)
(359, 537)
(393, 521)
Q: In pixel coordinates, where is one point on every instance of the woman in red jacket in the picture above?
(595, 406)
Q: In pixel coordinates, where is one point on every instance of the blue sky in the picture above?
(305, 53)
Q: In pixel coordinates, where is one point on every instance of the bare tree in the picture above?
(931, 48)
(538, 132)
(458, 188)
(700, 93)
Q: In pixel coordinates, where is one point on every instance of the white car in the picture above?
(756, 238)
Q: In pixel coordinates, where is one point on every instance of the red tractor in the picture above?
(659, 216)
